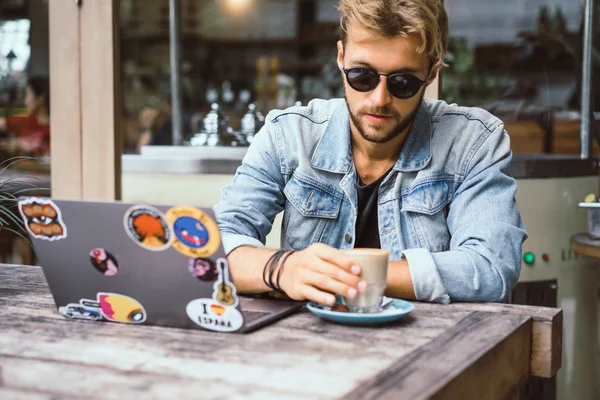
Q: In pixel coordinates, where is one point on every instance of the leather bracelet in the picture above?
(283, 260)
(272, 267)
(266, 266)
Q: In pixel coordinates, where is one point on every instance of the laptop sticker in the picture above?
(42, 219)
(224, 291)
(148, 227)
(196, 234)
(104, 262)
(204, 269)
(214, 316)
(120, 308)
(85, 309)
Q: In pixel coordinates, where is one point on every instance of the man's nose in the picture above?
(380, 96)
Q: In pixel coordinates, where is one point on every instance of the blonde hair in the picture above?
(391, 18)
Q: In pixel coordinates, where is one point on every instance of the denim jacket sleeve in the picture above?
(258, 181)
(487, 233)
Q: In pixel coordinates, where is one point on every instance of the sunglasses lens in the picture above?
(403, 86)
(362, 79)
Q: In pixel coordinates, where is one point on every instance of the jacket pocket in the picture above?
(426, 205)
(309, 209)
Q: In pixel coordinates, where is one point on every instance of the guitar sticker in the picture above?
(42, 219)
(224, 291)
(196, 234)
(213, 316)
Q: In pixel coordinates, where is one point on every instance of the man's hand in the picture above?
(318, 272)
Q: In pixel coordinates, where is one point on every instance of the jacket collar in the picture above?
(334, 151)
(416, 151)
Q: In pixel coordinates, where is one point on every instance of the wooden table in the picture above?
(582, 243)
(458, 351)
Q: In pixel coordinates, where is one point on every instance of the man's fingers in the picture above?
(314, 294)
(333, 271)
(336, 257)
(328, 284)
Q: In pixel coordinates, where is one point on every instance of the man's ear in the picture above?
(340, 57)
(432, 75)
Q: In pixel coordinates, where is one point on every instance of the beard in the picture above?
(381, 136)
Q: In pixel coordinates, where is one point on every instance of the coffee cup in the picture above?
(373, 265)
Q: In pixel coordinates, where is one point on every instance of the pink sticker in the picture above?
(104, 262)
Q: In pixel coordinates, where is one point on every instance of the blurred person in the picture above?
(156, 124)
(29, 134)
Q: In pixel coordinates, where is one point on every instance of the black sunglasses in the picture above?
(400, 84)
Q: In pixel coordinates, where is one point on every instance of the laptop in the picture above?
(141, 264)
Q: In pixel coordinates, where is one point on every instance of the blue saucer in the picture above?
(394, 310)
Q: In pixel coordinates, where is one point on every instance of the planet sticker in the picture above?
(196, 234)
(147, 227)
(120, 308)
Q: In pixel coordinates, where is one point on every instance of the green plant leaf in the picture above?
(7, 196)
(13, 160)
(12, 216)
(26, 190)
(15, 180)
(10, 189)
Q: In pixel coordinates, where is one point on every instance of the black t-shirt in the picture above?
(367, 226)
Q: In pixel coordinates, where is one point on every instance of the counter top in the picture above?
(226, 160)
(582, 243)
(466, 351)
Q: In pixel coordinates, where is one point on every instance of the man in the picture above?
(425, 180)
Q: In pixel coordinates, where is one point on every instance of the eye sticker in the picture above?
(104, 262)
(196, 235)
(42, 218)
(147, 227)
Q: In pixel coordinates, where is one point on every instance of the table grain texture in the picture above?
(457, 351)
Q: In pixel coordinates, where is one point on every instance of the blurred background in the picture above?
(520, 59)
(191, 88)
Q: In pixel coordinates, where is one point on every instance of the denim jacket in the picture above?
(447, 206)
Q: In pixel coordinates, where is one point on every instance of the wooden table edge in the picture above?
(546, 355)
(19, 266)
(506, 360)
